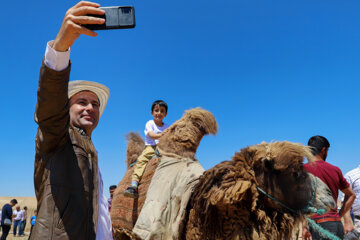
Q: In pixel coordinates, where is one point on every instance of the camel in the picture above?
(262, 193)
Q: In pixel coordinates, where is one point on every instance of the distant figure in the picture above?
(6, 218)
(154, 129)
(18, 213)
(111, 190)
(353, 177)
(334, 179)
(23, 222)
(32, 221)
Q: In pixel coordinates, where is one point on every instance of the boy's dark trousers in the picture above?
(32, 226)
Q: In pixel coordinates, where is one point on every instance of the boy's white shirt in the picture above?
(59, 61)
(151, 126)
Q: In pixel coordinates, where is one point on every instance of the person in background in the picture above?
(18, 215)
(333, 178)
(23, 222)
(353, 178)
(112, 189)
(6, 218)
(32, 221)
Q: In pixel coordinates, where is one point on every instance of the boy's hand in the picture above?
(165, 131)
(72, 28)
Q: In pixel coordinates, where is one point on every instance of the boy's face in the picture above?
(159, 113)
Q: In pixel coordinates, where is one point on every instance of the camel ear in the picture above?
(222, 187)
(237, 182)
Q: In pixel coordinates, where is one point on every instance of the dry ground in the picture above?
(30, 202)
(11, 237)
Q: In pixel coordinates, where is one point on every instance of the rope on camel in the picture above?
(309, 208)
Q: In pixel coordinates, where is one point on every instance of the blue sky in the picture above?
(267, 70)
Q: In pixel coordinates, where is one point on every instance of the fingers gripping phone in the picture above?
(115, 18)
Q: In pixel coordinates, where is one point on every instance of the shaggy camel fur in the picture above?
(226, 203)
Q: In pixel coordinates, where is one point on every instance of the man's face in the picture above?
(17, 208)
(84, 111)
(112, 191)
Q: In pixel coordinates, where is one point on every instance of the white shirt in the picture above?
(104, 226)
(151, 126)
(19, 215)
(24, 215)
(353, 178)
(59, 61)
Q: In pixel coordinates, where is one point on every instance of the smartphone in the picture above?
(115, 18)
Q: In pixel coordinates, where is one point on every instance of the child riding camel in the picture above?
(154, 129)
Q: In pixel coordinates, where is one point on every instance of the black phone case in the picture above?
(115, 18)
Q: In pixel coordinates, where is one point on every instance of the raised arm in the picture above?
(52, 109)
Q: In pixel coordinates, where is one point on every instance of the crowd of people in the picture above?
(15, 219)
(68, 112)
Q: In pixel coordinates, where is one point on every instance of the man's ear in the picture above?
(323, 151)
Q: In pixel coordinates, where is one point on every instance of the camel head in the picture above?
(227, 202)
(279, 171)
(184, 136)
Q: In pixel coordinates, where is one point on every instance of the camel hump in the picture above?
(135, 145)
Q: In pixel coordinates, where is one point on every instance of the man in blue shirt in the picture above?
(6, 216)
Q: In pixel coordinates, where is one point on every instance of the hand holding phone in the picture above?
(72, 25)
(119, 17)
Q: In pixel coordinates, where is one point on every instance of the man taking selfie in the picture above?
(67, 179)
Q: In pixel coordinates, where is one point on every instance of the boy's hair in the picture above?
(112, 187)
(161, 103)
(317, 143)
